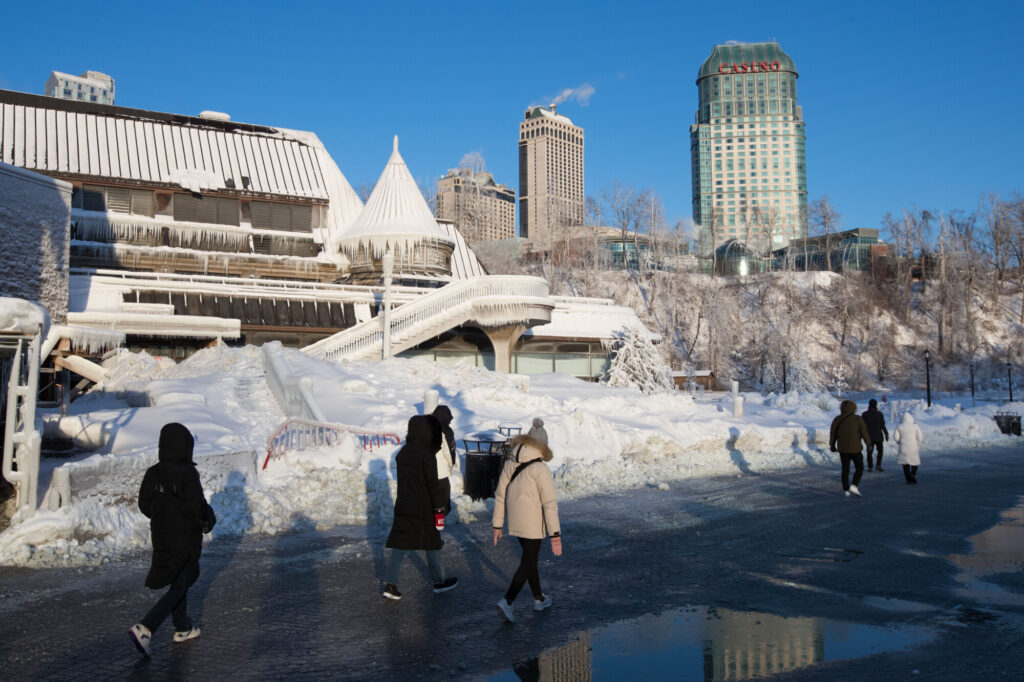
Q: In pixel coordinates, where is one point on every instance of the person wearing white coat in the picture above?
(909, 437)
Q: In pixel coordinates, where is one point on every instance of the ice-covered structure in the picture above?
(186, 229)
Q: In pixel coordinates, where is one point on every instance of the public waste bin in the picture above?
(482, 472)
(1009, 422)
(484, 458)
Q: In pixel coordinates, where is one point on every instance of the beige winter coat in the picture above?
(531, 500)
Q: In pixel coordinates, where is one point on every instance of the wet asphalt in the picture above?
(785, 546)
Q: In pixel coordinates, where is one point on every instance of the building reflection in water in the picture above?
(739, 646)
(569, 663)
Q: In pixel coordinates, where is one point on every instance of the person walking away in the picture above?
(847, 432)
(875, 421)
(537, 430)
(171, 496)
(908, 438)
(419, 506)
(526, 490)
(446, 456)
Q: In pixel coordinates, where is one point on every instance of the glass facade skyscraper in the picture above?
(748, 162)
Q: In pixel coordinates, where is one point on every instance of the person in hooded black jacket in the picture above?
(419, 506)
(875, 421)
(171, 496)
(444, 416)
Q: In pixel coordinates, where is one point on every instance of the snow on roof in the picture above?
(23, 317)
(48, 134)
(465, 264)
(396, 215)
(544, 112)
(589, 318)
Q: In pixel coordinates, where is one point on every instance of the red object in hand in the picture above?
(439, 520)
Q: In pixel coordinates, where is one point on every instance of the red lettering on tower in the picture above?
(745, 67)
(763, 66)
(723, 68)
(776, 65)
(735, 67)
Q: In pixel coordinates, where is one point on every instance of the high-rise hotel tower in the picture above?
(550, 175)
(747, 148)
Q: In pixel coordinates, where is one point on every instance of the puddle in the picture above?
(999, 549)
(705, 643)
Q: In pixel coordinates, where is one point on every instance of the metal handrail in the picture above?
(303, 434)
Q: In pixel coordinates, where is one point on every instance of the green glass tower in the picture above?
(748, 160)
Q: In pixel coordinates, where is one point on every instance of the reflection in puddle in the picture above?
(999, 549)
(705, 643)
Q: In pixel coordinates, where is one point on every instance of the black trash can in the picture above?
(482, 472)
(1009, 422)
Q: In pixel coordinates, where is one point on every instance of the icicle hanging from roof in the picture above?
(395, 217)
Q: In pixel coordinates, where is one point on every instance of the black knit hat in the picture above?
(872, 403)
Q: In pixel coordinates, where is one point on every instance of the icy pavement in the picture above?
(783, 547)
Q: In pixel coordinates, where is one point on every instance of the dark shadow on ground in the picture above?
(231, 505)
(737, 457)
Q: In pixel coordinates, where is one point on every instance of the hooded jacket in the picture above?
(875, 422)
(444, 468)
(419, 491)
(909, 437)
(848, 430)
(171, 496)
(530, 499)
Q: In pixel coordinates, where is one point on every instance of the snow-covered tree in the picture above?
(637, 364)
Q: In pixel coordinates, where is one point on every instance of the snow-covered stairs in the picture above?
(491, 300)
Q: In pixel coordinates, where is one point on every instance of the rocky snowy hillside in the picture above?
(845, 332)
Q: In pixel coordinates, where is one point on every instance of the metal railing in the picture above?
(303, 434)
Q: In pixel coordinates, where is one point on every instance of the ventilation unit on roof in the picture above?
(214, 115)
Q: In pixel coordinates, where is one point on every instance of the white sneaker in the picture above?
(505, 609)
(185, 635)
(140, 635)
(854, 490)
(541, 604)
(847, 493)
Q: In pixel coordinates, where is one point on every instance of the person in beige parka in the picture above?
(527, 490)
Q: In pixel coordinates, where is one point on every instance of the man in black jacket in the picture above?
(875, 422)
(171, 496)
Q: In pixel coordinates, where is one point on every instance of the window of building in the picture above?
(199, 209)
(114, 200)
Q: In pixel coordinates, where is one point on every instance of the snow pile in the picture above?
(24, 317)
(603, 438)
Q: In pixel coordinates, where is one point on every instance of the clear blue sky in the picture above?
(906, 103)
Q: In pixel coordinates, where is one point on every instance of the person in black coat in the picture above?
(419, 506)
(171, 496)
(875, 421)
(444, 416)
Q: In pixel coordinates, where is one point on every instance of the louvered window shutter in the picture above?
(261, 218)
(142, 202)
(93, 199)
(119, 200)
(227, 211)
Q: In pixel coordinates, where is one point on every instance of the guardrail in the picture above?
(452, 301)
(294, 394)
(303, 434)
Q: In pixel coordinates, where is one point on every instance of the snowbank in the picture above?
(603, 439)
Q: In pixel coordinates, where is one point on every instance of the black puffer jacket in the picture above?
(875, 421)
(171, 496)
(419, 493)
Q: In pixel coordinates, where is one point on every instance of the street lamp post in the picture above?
(972, 384)
(388, 263)
(785, 388)
(928, 375)
(1009, 379)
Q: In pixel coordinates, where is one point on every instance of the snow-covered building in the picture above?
(186, 229)
(34, 214)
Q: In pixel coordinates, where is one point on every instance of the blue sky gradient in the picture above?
(907, 103)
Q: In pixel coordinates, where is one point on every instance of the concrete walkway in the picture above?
(307, 605)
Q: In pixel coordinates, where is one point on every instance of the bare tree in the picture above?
(999, 229)
(626, 208)
(824, 220)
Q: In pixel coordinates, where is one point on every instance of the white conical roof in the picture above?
(395, 217)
